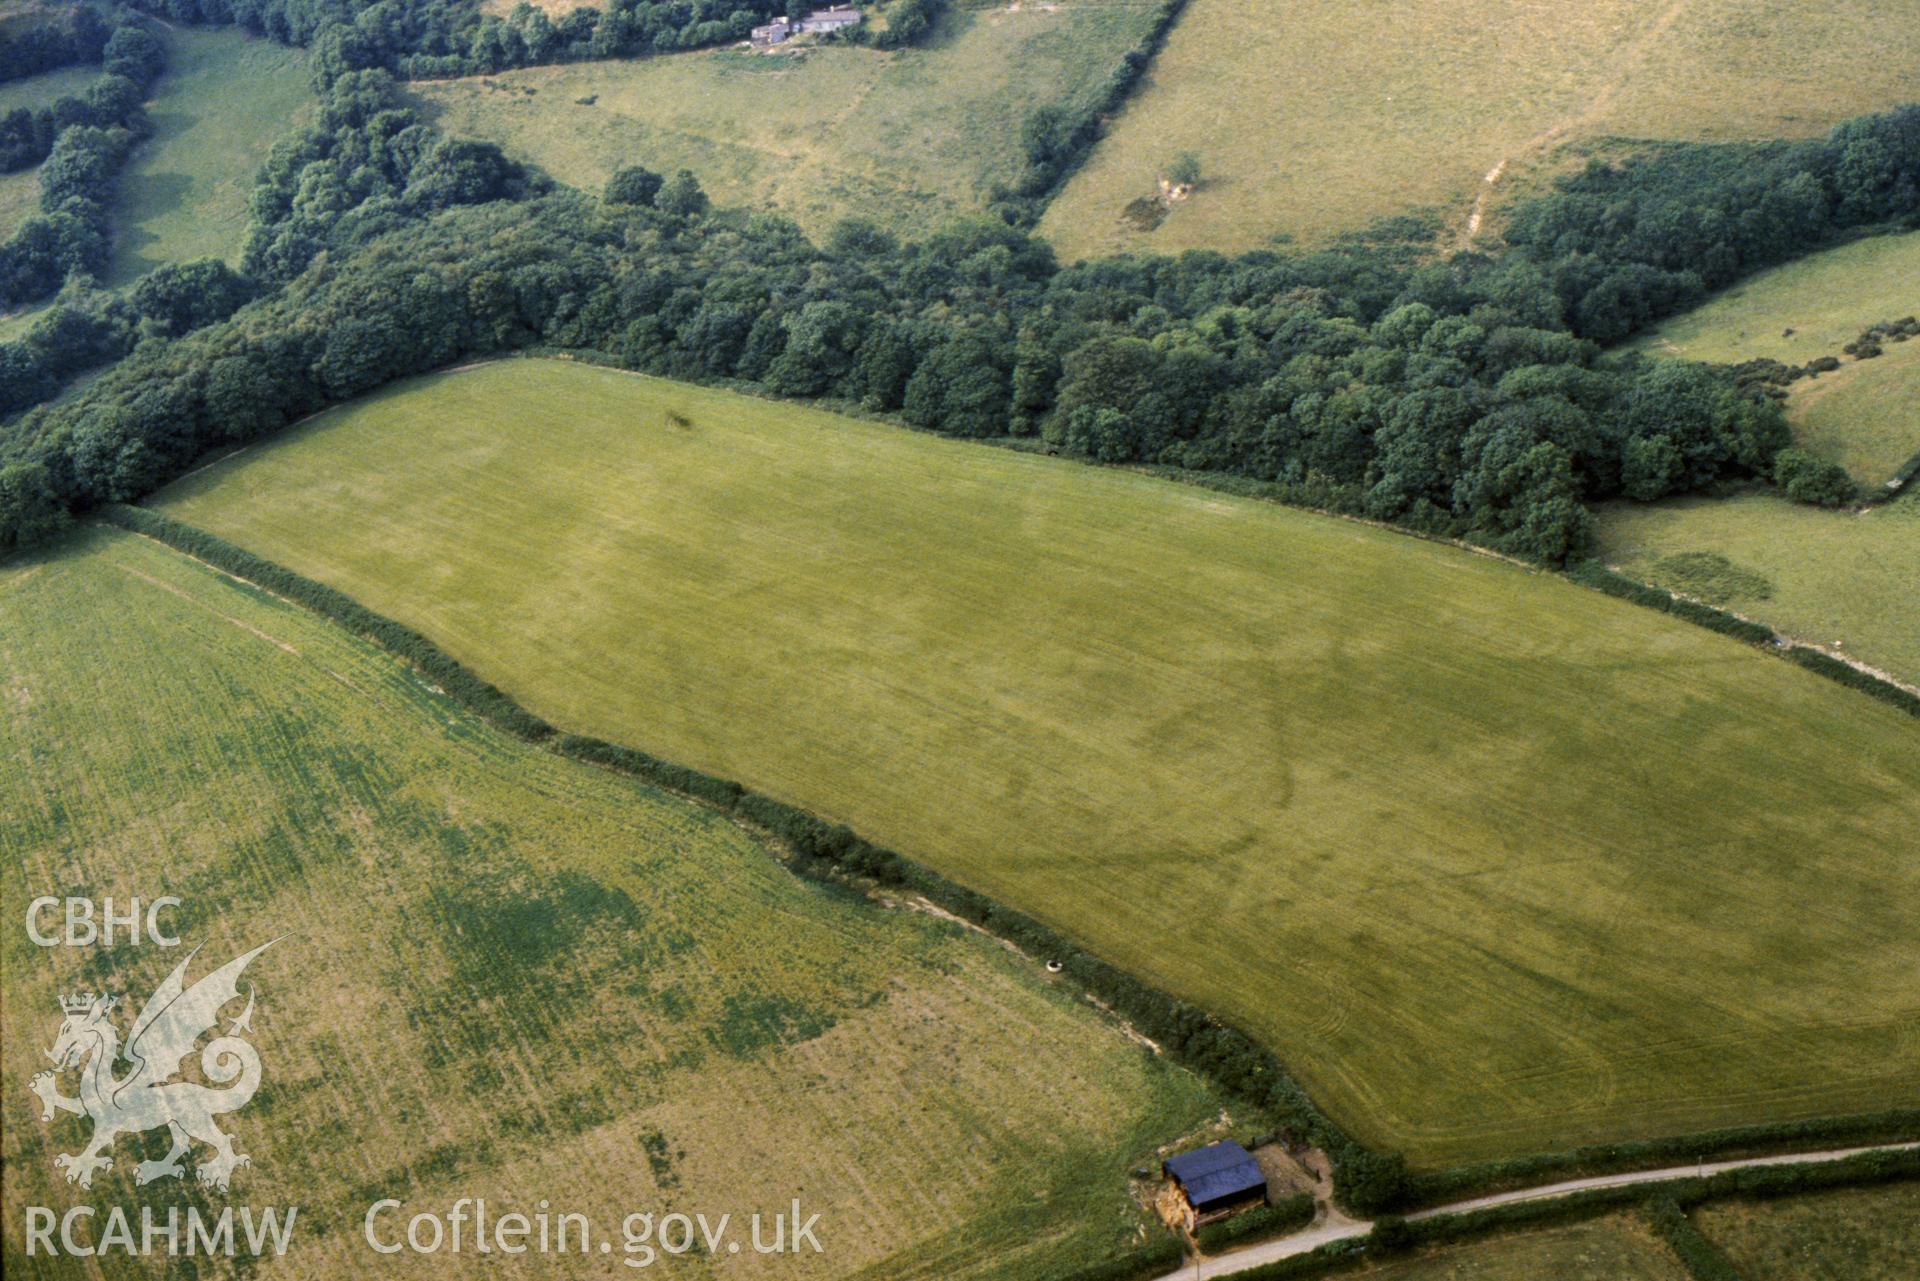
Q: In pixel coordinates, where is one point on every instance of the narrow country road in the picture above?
(1336, 1227)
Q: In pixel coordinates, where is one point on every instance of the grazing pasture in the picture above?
(1615, 1248)
(1856, 1234)
(513, 976)
(1495, 863)
(1314, 119)
(1819, 576)
(1864, 415)
(225, 99)
(906, 139)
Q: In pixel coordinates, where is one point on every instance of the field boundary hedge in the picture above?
(1075, 135)
(1597, 576)
(1366, 1181)
(1463, 1182)
(1702, 1259)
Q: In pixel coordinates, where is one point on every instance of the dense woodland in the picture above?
(1468, 396)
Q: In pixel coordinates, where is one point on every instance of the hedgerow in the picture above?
(1853, 678)
(1597, 576)
(28, 47)
(80, 144)
(1701, 1257)
(1056, 139)
(1289, 1214)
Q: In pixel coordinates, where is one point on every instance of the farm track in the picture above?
(1632, 60)
(1333, 1226)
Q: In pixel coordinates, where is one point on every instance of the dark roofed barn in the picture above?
(1217, 1180)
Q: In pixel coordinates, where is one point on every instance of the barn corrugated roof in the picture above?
(1218, 1170)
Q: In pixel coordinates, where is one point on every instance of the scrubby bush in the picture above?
(1817, 481)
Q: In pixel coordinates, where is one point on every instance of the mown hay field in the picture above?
(1614, 1248)
(1864, 415)
(1496, 863)
(1312, 119)
(512, 976)
(225, 99)
(1840, 579)
(907, 139)
(1859, 1234)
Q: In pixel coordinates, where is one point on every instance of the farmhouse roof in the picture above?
(1216, 1172)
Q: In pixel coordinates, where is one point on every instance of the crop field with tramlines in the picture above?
(1311, 120)
(504, 974)
(906, 139)
(1496, 864)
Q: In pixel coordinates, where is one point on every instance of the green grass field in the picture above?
(1617, 1248)
(1818, 576)
(1860, 1234)
(225, 99)
(908, 140)
(1314, 119)
(513, 976)
(1866, 414)
(1496, 863)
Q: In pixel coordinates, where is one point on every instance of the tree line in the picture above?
(1056, 138)
(1466, 397)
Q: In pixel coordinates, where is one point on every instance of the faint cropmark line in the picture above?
(147, 1096)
